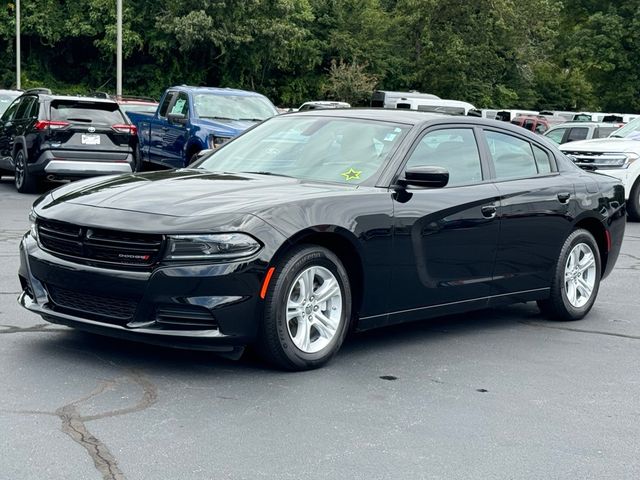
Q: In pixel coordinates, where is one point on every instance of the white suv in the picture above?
(618, 156)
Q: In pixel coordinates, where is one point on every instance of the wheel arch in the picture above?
(343, 244)
(599, 232)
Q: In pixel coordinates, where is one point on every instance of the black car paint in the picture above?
(415, 252)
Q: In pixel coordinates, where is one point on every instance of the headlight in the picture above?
(33, 229)
(211, 247)
(216, 141)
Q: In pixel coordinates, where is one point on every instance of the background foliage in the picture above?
(543, 54)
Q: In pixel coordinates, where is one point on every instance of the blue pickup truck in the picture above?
(191, 119)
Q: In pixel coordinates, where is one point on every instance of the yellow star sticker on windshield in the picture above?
(351, 174)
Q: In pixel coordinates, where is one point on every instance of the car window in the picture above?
(74, 111)
(543, 161)
(24, 109)
(455, 149)
(233, 107)
(603, 132)
(165, 104)
(6, 99)
(556, 135)
(9, 114)
(578, 133)
(528, 124)
(343, 150)
(541, 128)
(512, 157)
(181, 105)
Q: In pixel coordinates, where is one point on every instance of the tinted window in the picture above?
(543, 161)
(454, 149)
(578, 133)
(24, 110)
(528, 124)
(165, 104)
(556, 135)
(86, 112)
(340, 150)
(512, 157)
(181, 105)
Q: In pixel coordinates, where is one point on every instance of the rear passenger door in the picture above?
(535, 211)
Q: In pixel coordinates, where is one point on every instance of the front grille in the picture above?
(112, 308)
(100, 245)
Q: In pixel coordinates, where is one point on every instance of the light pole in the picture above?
(118, 47)
(18, 73)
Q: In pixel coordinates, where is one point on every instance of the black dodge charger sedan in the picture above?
(314, 223)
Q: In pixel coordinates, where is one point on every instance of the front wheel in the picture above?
(576, 281)
(307, 309)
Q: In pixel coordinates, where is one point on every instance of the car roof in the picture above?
(73, 98)
(216, 90)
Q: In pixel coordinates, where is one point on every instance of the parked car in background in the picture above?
(576, 131)
(618, 155)
(137, 104)
(314, 223)
(322, 105)
(64, 137)
(508, 115)
(7, 97)
(452, 107)
(389, 99)
(536, 124)
(191, 119)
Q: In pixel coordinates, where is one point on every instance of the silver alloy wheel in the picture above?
(19, 170)
(314, 309)
(580, 275)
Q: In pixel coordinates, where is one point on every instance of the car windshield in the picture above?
(630, 131)
(6, 99)
(233, 107)
(343, 150)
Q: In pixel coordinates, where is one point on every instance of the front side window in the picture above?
(454, 149)
(181, 105)
(342, 150)
(512, 157)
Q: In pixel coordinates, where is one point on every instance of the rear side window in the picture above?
(556, 135)
(578, 133)
(604, 132)
(73, 111)
(543, 162)
(454, 149)
(512, 157)
(25, 108)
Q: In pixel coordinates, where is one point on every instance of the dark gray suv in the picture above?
(64, 137)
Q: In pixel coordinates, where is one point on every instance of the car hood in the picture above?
(602, 145)
(191, 192)
(226, 127)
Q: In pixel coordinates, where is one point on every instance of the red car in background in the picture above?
(536, 124)
(137, 104)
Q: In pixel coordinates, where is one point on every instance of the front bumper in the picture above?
(211, 307)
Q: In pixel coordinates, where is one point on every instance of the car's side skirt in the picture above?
(423, 313)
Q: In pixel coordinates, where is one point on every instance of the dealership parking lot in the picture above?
(494, 394)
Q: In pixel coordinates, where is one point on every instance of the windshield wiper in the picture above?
(617, 136)
(219, 118)
(252, 119)
(269, 173)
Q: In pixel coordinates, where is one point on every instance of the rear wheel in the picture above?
(25, 181)
(307, 309)
(633, 205)
(577, 279)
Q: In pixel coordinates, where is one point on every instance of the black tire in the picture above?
(24, 181)
(275, 341)
(557, 306)
(633, 205)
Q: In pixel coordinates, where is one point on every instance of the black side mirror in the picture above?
(425, 176)
(177, 118)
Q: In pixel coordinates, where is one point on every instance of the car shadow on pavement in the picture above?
(84, 347)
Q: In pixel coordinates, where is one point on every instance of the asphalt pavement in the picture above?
(497, 394)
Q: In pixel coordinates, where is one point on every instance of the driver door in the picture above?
(445, 239)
